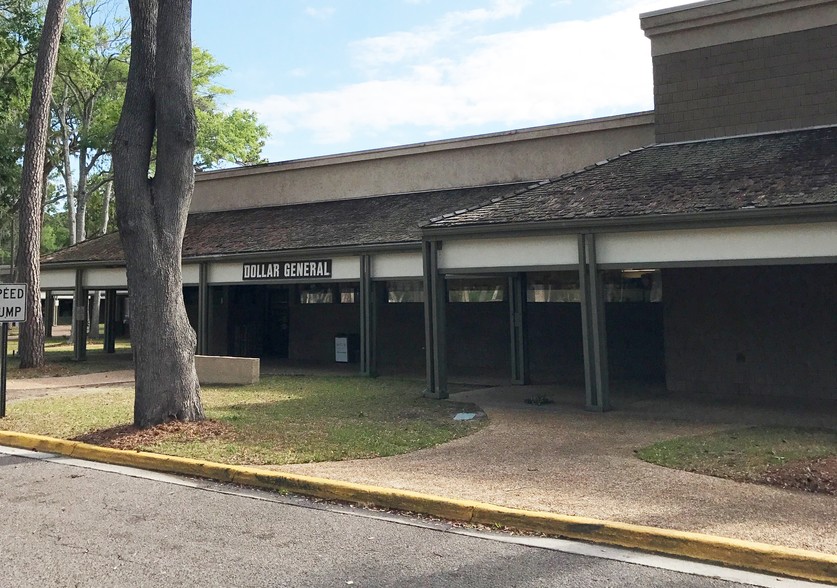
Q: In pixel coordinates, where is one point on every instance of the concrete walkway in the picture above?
(559, 458)
(23, 388)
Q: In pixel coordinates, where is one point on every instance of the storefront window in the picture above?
(405, 291)
(477, 290)
(553, 287)
(328, 293)
(316, 294)
(633, 285)
(348, 293)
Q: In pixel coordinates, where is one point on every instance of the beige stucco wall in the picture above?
(214, 369)
(714, 22)
(527, 154)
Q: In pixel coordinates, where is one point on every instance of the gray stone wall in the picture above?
(769, 331)
(772, 83)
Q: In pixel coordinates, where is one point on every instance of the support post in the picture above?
(79, 318)
(594, 333)
(49, 313)
(110, 320)
(203, 309)
(368, 319)
(434, 323)
(518, 329)
(4, 346)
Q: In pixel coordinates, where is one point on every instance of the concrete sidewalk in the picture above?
(559, 458)
(23, 388)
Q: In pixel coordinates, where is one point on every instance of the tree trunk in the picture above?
(14, 239)
(81, 197)
(94, 313)
(67, 171)
(106, 207)
(96, 299)
(152, 212)
(29, 261)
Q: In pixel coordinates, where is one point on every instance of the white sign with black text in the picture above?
(12, 303)
(287, 270)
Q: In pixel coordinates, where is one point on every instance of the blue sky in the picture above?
(331, 76)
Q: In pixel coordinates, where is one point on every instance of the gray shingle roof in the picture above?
(776, 170)
(363, 221)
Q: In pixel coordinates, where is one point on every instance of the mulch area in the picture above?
(818, 475)
(130, 437)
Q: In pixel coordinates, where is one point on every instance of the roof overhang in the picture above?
(704, 219)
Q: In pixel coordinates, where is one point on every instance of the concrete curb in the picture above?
(760, 557)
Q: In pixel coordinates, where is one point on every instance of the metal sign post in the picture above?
(12, 310)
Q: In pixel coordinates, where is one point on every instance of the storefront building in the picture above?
(694, 246)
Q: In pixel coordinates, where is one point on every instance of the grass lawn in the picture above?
(784, 456)
(278, 421)
(59, 359)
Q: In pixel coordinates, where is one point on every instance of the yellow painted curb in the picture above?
(760, 557)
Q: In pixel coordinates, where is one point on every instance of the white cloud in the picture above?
(400, 46)
(321, 13)
(557, 72)
(497, 10)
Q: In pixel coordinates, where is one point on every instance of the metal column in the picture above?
(517, 329)
(368, 319)
(434, 323)
(203, 309)
(49, 314)
(593, 327)
(110, 321)
(79, 318)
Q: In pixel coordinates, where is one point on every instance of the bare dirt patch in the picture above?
(813, 475)
(130, 437)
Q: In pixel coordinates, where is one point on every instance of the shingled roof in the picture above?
(379, 220)
(796, 168)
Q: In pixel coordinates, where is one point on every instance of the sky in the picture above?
(334, 76)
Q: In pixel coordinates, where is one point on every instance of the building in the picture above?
(695, 245)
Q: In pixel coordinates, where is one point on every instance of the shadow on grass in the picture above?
(293, 420)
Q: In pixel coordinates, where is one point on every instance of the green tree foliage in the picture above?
(19, 34)
(92, 69)
(87, 100)
(224, 137)
(54, 233)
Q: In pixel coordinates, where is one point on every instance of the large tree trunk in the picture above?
(103, 229)
(29, 260)
(67, 168)
(106, 207)
(152, 212)
(81, 198)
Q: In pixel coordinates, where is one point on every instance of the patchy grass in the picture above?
(59, 359)
(789, 457)
(281, 420)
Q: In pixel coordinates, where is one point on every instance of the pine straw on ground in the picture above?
(809, 475)
(131, 438)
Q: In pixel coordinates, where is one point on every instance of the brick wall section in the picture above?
(769, 331)
(772, 83)
(313, 328)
